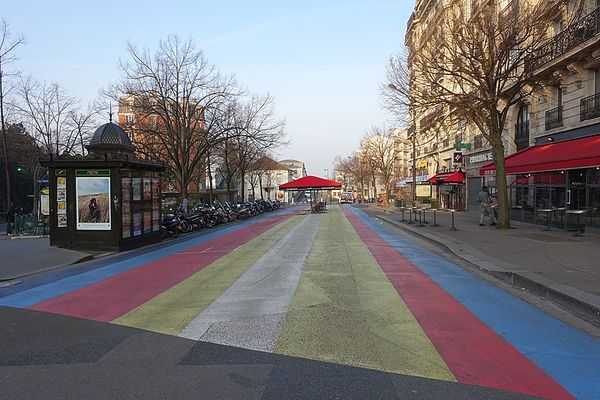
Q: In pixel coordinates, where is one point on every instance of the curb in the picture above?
(79, 260)
(585, 305)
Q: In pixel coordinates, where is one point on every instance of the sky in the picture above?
(322, 61)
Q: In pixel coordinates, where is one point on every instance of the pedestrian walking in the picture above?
(10, 219)
(485, 202)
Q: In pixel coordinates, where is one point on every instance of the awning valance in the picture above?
(311, 183)
(572, 154)
(448, 177)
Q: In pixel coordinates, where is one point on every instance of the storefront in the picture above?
(474, 181)
(450, 189)
(548, 181)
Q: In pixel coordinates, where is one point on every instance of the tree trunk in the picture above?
(261, 188)
(5, 148)
(501, 183)
(242, 185)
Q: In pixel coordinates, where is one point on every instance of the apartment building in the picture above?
(551, 139)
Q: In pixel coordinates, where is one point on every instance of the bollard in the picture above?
(402, 210)
(435, 224)
(425, 216)
(410, 221)
(421, 211)
(453, 228)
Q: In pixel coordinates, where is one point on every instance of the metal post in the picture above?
(420, 218)
(453, 228)
(410, 216)
(435, 224)
(402, 210)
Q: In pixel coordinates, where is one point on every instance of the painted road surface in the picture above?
(337, 287)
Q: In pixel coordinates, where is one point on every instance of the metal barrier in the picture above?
(28, 225)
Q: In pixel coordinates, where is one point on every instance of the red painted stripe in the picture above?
(110, 298)
(474, 352)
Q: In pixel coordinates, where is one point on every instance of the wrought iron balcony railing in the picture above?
(554, 118)
(574, 35)
(589, 107)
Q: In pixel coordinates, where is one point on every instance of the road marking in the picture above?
(475, 353)
(174, 309)
(109, 299)
(250, 313)
(346, 311)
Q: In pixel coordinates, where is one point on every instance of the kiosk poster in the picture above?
(136, 183)
(62, 221)
(125, 195)
(147, 222)
(147, 189)
(93, 203)
(155, 220)
(61, 201)
(137, 224)
(126, 225)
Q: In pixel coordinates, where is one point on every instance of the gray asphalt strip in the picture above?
(250, 313)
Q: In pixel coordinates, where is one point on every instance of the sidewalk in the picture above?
(24, 256)
(553, 264)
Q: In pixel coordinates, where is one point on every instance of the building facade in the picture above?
(551, 139)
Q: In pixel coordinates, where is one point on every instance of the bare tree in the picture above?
(81, 126)
(8, 44)
(380, 153)
(172, 93)
(474, 64)
(46, 109)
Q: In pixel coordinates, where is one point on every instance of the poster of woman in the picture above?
(93, 203)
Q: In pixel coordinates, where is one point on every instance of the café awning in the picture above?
(572, 154)
(311, 183)
(448, 177)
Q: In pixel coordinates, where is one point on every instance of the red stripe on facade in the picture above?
(110, 298)
(474, 352)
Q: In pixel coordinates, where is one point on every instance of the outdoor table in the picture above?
(578, 214)
(548, 212)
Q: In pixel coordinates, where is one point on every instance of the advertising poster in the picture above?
(137, 224)
(45, 202)
(61, 182)
(155, 221)
(155, 195)
(136, 184)
(61, 194)
(423, 190)
(147, 221)
(61, 208)
(126, 189)
(126, 225)
(62, 221)
(93, 203)
(147, 189)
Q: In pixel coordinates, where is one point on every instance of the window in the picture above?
(597, 80)
(522, 128)
(559, 96)
(129, 119)
(478, 142)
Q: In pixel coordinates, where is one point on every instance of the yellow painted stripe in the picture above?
(346, 311)
(174, 309)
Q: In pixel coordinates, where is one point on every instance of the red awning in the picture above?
(448, 177)
(311, 183)
(572, 154)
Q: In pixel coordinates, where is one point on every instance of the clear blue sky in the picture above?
(321, 60)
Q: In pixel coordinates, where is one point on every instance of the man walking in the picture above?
(485, 202)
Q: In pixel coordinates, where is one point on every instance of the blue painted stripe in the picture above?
(569, 356)
(51, 287)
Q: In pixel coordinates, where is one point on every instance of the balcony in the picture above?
(554, 118)
(522, 135)
(589, 107)
(574, 35)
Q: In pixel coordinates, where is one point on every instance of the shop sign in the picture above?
(422, 164)
(481, 157)
(92, 172)
(422, 178)
(457, 158)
